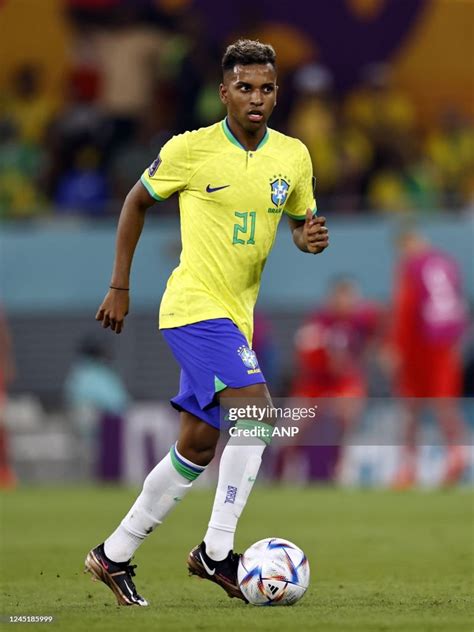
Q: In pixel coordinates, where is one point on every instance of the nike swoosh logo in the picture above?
(210, 189)
(208, 570)
(128, 588)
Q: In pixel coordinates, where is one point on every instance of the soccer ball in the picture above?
(273, 572)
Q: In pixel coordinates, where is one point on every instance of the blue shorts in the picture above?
(213, 354)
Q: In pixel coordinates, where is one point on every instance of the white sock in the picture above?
(163, 488)
(238, 470)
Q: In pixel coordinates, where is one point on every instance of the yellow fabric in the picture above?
(226, 234)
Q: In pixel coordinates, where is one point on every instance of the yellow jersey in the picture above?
(231, 201)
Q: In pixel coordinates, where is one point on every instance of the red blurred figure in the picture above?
(331, 345)
(330, 351)
(429, 318)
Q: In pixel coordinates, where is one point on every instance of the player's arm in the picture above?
(115, 305)
(310, 235)
(309, 231)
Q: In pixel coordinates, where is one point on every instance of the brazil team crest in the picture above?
(248, 357)
(279, 191)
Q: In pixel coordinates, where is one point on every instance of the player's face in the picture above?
(343, 298)
(249, 93)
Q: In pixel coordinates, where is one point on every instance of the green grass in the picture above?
(380, 561)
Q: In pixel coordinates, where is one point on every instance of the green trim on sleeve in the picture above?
(301, 218)
(148, 187)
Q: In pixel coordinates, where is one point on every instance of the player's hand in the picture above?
(315, 233)
(113, 310)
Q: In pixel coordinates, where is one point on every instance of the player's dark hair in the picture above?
(246, 52)
(342, 280)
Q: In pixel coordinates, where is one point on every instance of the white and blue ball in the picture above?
(273, 572)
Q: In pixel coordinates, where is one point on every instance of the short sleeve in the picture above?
(169, 172)
(302, 196)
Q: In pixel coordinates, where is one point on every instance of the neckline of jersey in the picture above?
(232, 138)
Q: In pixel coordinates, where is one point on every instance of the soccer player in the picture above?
(331, 349)
(429, 318)
(330, 346)
(235, 179)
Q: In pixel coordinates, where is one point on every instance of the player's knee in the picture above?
(197, 440)
(199, 446)
(199, 454)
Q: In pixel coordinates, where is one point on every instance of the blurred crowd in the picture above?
(136, 79)
(350, 350)
(350, 354)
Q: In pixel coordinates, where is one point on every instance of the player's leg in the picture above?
(214, 558)
(350, 401)
(7, 476)
(166, 485)
(453, 429)
(238, 470)
(197, 439)
(217, 365)
(446, 389)
(406, 474)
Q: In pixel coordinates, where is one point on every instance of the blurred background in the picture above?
(381, 92)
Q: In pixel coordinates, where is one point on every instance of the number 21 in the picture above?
(243, 227)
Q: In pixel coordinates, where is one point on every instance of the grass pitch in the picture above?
(380, 561)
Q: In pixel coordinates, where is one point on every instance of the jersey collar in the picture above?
(230, 136)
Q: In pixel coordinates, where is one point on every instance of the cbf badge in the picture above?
(249, 359)
(153, 168)
(279, 190)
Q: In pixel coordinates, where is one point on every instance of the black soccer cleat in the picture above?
(118, 577)
(223, 573)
